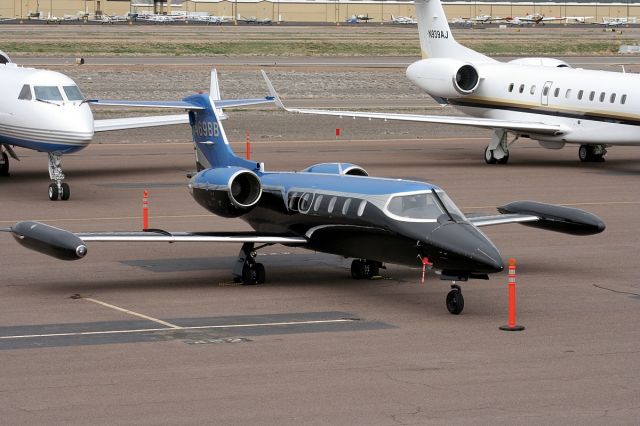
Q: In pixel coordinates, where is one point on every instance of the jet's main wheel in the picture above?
(53, 192)
(4, 167)
(505, 159)
(253, 273)
(455, 301)
(488, 156)
(363, 269)
(586, 154)
(66, 192)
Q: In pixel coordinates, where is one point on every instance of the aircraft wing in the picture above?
(488, 123)
(160, 120)
(551, 217)
(66, 245)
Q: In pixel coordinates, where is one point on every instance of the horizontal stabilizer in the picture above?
(139, 122)
(224, 103)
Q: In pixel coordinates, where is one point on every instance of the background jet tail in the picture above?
(436, 39)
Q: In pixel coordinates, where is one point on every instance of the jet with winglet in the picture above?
(543, 99)
(45, 111)
(334, 208)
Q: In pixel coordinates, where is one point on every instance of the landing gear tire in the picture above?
(591, 153)
(4, 167)
(455, 300)
(488, 156)
(253, 273)
(505, 159)
(53, 192)
(66, 192)
(364, 269)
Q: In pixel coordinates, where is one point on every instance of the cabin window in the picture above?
(521, 89)
(623, 99)
(556, 92)
(47, 93)
(293, 201)
(545, 91)
(25, 93)
(533, 89)
(592, 95)
(612, 98)
(361, 207)
(332, 204)
(305, 203)
(316, 205)
(580, 93)
(567, 94)
(73, 93)
(511, 88)
(602, 95)
(415, 206)
(345, 206)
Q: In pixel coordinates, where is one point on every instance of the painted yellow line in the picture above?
(201, 327)
(135, 314)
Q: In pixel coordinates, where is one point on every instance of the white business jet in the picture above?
(539, 98)
(45, 111)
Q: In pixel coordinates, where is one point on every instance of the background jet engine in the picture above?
(445, 78)
(227, 192)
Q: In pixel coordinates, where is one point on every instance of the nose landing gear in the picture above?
(57, 189)
(362, 269)
(455, 301)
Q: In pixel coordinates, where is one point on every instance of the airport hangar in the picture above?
(317, 11)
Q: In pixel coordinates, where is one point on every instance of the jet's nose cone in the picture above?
(464, 248)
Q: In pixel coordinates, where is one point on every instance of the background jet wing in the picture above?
(66, 245)
(516, 126)
(501, 219)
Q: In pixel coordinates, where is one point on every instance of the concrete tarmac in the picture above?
(158, 334)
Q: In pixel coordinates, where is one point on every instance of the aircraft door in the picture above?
(544, 100)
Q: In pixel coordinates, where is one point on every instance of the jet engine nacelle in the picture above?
(337, 169)
(445, 78)
(4, 58)
(541, 62)
(228, 191)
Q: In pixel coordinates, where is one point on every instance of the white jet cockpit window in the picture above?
(47, 93)
(421, 206)
(73, 93)
(25, 93)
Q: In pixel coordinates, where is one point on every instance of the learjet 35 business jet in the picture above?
(330, 207)
(538, 98)
(45, 111)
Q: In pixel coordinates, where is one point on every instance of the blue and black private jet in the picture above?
(332, 208)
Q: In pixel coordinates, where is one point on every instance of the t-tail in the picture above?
(211, 143)
(436, 39)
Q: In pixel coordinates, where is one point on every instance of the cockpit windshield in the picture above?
(47, 93)
(422, 206)
(73, 93)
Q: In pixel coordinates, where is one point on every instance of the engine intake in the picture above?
(227, 192)
(442, 77)
(4, 58)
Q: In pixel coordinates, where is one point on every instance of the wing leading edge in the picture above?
(488, 123)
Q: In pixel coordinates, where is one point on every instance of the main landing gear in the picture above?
(497, 152)
(592, 153)
(362, 269)
(455, 300)
(57, 189)
(246, 270)
(4, 164)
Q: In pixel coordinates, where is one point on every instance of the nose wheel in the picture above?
(57, 189)
(362, 269)
(455, 300)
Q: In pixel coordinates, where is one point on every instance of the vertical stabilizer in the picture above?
(436, 39)
(211, 143)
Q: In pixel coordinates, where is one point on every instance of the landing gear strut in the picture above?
(592, 153)
(246, 270)
(455, 301)
(497, 152)
(362, 269)
(57, 189)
